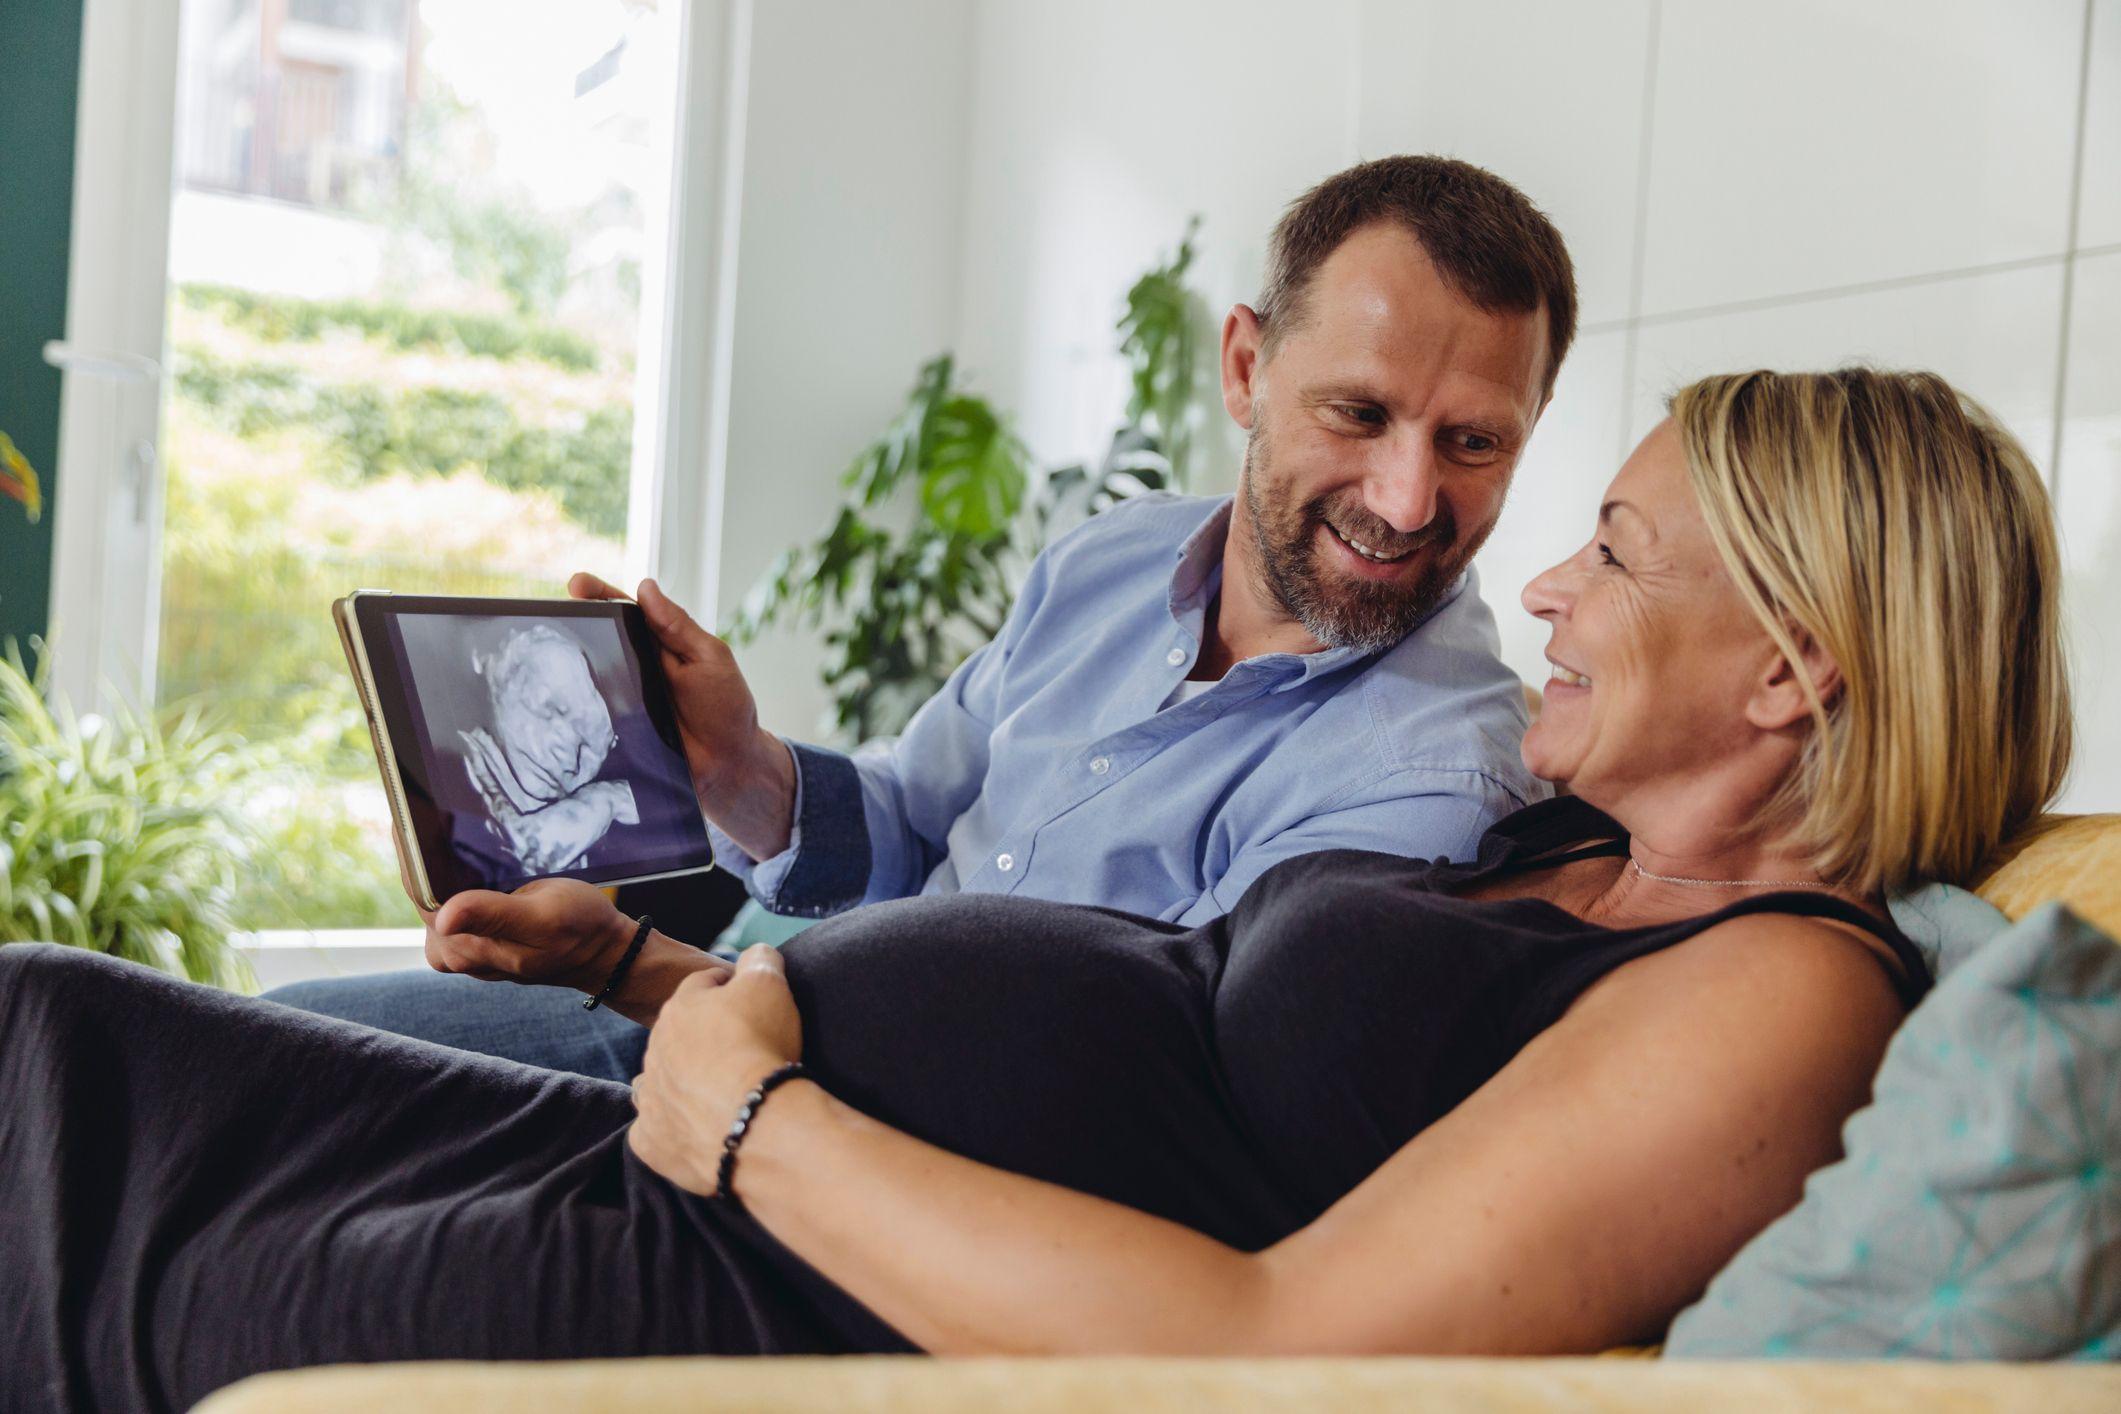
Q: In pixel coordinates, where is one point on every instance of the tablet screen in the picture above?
(542, 745)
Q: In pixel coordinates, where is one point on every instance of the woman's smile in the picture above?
(1565, 679)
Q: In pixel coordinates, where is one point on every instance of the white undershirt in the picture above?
(1186, 691)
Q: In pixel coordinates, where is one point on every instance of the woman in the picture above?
(1526, 1103)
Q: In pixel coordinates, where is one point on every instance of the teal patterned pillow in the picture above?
(1977, 1212)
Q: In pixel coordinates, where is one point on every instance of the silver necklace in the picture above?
(1726, 883)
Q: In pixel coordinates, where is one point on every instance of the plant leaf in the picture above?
(974, 482)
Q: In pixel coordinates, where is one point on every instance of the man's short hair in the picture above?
(1486, 238)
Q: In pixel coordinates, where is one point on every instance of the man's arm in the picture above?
(1419, 812)
(873, 825)
(809, 830)
(813, 831)
(741, 773)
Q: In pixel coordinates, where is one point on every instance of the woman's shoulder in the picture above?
(1801, 961)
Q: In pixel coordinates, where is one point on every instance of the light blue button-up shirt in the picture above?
(1047, 766)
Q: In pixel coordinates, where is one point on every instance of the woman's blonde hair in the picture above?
(1894, 523)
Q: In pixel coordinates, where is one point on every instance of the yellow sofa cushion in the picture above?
(2075, 858)
(911, 1385)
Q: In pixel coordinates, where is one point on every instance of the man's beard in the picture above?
(1336, 609)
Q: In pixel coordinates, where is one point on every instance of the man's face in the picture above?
(1384, 428)
(548, 717)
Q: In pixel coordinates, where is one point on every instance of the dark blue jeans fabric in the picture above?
(543, 1026)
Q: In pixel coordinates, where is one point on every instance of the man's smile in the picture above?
(1370, 552)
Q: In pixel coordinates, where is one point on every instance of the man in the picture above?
(1190, 690)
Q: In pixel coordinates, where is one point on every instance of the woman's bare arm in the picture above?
(1577, 1201)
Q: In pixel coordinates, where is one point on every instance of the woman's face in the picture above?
(1655, 654)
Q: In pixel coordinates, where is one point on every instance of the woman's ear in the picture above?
(1778, 699)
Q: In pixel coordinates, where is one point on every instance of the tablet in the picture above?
(522, 739)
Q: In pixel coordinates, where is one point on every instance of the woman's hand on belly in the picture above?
(716, 1038)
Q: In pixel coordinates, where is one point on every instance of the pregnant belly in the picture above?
(1069, 1044)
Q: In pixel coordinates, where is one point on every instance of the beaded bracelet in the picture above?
(633, 950)
(725, 1176)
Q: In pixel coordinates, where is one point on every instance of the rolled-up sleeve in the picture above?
(875, 824)
(826, 866)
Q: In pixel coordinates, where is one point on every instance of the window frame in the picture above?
(108, 486)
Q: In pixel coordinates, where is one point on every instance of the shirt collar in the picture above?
(1200, 562)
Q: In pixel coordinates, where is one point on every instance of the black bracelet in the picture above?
(633, 950)
(725, 1176)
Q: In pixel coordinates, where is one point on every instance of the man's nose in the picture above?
(1401, 491)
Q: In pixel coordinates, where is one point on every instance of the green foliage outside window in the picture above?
(278, 318)
(305, 458)
(369, 430)
(496, 240)
(493, 232)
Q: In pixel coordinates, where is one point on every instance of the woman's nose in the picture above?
(1552, 591)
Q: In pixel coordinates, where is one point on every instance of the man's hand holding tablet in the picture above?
(560, 933)
(743, 773)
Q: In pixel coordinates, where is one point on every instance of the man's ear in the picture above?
(1778, 699)
(1243, 335)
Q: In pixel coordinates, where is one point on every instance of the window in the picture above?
(404, 319)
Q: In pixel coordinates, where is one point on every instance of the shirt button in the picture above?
(1101, 765)
(1175, 657)
(1005, 862)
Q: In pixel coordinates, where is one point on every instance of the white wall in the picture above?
(846, 276)
(1789, 185)
(1099, 126)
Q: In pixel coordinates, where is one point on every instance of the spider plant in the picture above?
(112, 834)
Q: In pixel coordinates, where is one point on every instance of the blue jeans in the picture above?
(536, 1025)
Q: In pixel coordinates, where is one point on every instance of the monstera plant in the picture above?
(902, 607)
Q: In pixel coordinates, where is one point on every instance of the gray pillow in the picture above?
(1946, 922)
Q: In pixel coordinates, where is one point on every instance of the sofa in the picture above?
(2076, 859)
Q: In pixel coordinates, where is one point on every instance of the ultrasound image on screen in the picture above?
(539, 751)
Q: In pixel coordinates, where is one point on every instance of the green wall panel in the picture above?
(41, 44)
